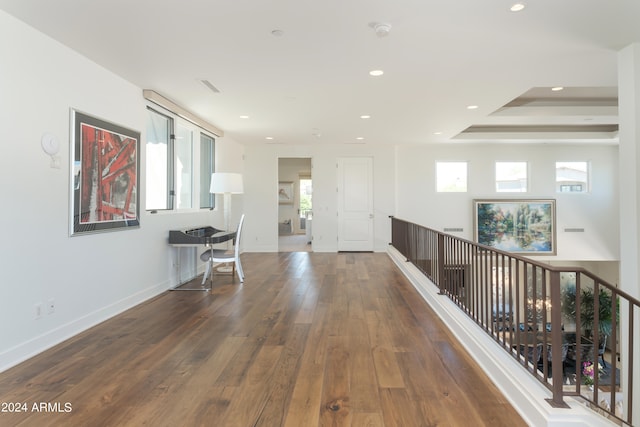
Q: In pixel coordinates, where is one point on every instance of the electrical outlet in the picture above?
(38, 310)
(51, 306)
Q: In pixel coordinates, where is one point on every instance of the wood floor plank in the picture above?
(398, 409)
(305, 402)
(169, 407)
(364, 394)
(283, 381)
(336, 402)
(384, 359)
(367, 420)
(246, 408)
(304, 407)
(308, 306)
(309, 339)
(387, 370)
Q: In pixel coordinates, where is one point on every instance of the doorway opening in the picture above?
(295, 205)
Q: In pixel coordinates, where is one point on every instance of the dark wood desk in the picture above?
(195, 237)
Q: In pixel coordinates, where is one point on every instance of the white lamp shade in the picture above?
(224, 182)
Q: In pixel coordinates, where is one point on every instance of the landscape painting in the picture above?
(521, 226)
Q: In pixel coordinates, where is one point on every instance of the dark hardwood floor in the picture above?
(310, 339)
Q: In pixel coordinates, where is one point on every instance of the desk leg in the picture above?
(179, 287)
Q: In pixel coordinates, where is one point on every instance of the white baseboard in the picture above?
(34, 346)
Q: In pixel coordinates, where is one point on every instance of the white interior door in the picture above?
(355, 204)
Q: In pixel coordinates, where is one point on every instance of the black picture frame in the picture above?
(105, 175)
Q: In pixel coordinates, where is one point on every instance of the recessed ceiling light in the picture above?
(269, 137)
(360, 138)
(517, 7)
(277, 33)
(557, 88)
(376, 73)
(365, 116)
(437, 133)
(472, 107)
(244, 117)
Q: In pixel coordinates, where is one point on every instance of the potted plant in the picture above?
(587, 310)
(589, 372)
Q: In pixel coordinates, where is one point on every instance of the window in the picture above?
(207, 160)
(305, 186)
(184, 167)
(511, 177)
(159, 169)
(572, 177)
(451, 177)
(178, 169)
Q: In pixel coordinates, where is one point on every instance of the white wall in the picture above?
(596, 212)
(90, 277)
(261, 186)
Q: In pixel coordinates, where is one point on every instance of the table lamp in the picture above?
(226, 183)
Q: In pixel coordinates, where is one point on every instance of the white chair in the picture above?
(212, 255)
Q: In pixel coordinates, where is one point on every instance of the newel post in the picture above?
(556, 341)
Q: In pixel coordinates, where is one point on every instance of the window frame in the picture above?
(197, 180)
(466, 175)
(560, 184)
(169, 164)
(526, 177)
(205, 175)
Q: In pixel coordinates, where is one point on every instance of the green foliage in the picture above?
(486, 223)
(305, 202)
(587, 309)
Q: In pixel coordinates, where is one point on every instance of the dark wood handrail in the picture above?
(520, 303)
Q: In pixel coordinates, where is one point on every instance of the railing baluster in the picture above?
(556, 341)
(441, 262)
(631, 344)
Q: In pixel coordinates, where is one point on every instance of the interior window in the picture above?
(572, 177)
(511, 177)
(451, 177)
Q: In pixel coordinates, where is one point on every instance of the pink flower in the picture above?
(588, 372)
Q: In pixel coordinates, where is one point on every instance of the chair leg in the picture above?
(206, 272)
(239, 270)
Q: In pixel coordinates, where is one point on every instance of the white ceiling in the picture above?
(310, 85)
